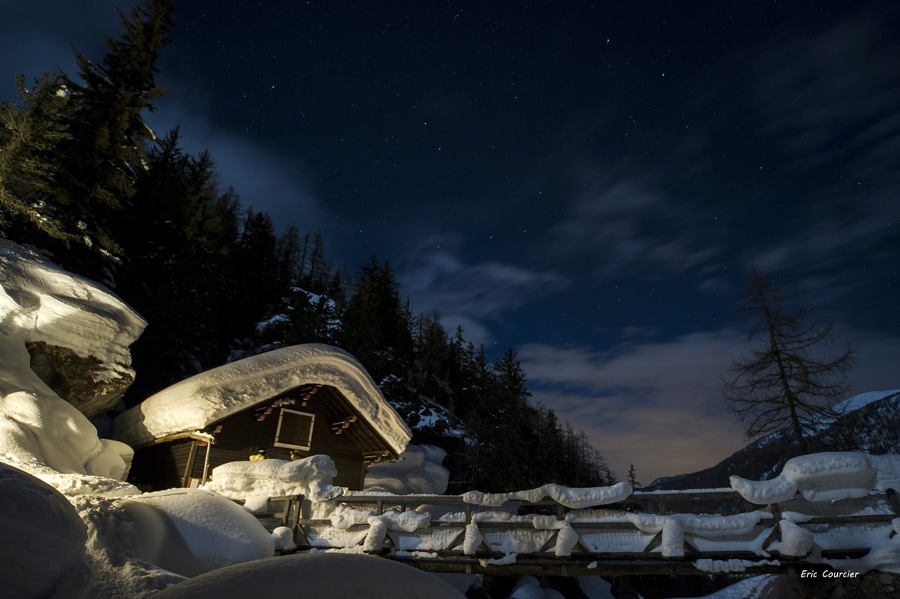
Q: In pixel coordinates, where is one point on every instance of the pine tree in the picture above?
(287, 252)
(783, 384)
(99, 162)
(632, 477)
(29, 136)
(178, 272)
(374, 329)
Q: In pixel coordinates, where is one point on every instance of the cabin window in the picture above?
(294, 429)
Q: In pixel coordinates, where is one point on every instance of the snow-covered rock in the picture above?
(824, 477)
(419, 471)
(39, 431)
(325, 576)
(41, 540)
(77, 332)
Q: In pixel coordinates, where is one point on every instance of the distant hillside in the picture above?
(870, 423)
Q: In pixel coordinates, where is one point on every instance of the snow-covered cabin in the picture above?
(302, 400)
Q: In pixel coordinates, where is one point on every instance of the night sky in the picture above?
(588, 183)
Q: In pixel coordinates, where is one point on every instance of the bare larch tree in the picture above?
(784, 383)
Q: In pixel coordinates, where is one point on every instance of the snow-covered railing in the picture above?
(832, 510)
(449, 533)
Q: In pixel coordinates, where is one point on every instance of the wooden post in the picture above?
(206, 462)
(189, 466)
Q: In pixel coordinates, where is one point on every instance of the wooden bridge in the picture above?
(655, 533)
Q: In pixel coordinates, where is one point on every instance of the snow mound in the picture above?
(187, 531)
(575, 498)
(310, 477)
(419, 471)
(824, 477)
(196, 402)
(41, 540)
(321, 575)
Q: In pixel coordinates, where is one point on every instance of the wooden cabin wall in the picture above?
(160, 466)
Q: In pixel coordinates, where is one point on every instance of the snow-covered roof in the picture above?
(206, 398)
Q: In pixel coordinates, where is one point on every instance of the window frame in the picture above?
(312, 424)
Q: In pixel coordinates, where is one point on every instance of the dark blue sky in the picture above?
(586, 182)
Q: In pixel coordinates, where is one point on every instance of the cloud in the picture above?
(472, 295)
(624, 225)
(829, 95)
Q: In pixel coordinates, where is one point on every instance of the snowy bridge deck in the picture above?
(646, 534)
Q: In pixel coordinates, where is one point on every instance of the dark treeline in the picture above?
(83, 178)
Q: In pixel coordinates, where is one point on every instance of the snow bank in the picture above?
(41, 540)
(419, 471)
(569, 497)
(40, 432)
(196, 402)
(824, 477)
(325, 576)
(310, 476)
